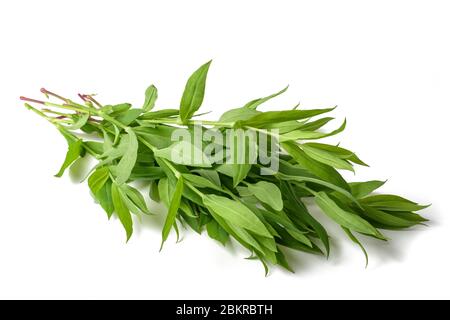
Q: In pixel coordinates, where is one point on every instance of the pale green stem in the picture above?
(190, 122)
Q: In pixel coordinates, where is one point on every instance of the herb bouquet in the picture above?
(244, 176)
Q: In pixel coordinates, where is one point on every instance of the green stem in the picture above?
(190, 122)
(68, 107)
(264, 131)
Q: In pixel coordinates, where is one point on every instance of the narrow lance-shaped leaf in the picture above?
(352, 237)
(73, 153)
(338, 151)
(344, 218)
(300, 209)
(391, 203)
(201, 182)
(269, 117)
(321, 170)
(121, 209)
(116, 109)
(237, 114)
(300, 180)
(311, 135)
(327, 158)
(362, 189)
(257, 102)
(160, 114)
(387, 219)
(136, 198)
(128, 160)
(173, 210)
(244, 156)
(104, 197)
(236, 213)
(315, 125)
(194, 92)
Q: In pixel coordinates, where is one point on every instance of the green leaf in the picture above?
(201, 182)
(391, 203)
(252, 105)
(281, 260)
(344, 218)
(321, 170)
(288, 241)
(147, 172)
(240, 172)
(270, 245)
(129, 157)
(268, 193)
(185, 153)
(240, 234)
(216, 232)
(73, 153)
(104, 197)
(270, 117)
(160, 137)
(163, 191)
(238, 114)
(94, 146)
(108, 144)
(194, 92)
(160, 114)
(410, 216)
(310, 135)
(211, 175)
(173, 210)
(128, 117)
(116, 109)
(79, 123)
(154, 192)
(136, 198)
(282, 220)
(128, 160)
(300, 210)
(326, 157)
(315, 125)
(387, 219)
(98, 179)
(302, 179)
(244, 156)
(236, 213)
(121, 209)
(111, 153)
(151, 94)
(362, 189)
(338, 151)
(355, 240)
(285, 127)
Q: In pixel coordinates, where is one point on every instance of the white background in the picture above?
(385, 63)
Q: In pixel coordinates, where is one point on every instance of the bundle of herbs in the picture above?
(245, 176)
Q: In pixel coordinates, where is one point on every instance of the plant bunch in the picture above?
(260, 207)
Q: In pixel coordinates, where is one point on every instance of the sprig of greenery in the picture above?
(264, 213)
